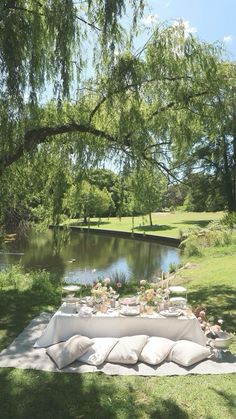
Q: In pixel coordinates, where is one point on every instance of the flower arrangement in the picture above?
(210, 330)
(149, 293)
(103, 289)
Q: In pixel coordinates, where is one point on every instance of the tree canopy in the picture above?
(152, 104)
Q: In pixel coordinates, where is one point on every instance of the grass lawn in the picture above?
(36, 395)
(164, 223)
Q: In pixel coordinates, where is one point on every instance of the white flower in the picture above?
(143, 282)
(220, 321)
(107, 281)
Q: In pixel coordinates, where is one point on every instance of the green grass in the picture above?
(28, 394)
(164, 223)
(37, 395)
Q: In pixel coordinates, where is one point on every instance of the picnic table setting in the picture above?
(153, 332)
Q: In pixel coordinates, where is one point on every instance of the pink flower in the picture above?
(202, 313)
(118, 284)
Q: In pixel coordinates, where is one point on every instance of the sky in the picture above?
(209, 20)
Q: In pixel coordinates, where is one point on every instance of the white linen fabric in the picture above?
(65, 353)
(21, 354)
(64, 325)
(98, 353)
(127, 350)
(156, 350)
(188, 353)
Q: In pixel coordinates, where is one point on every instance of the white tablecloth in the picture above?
(64, 325)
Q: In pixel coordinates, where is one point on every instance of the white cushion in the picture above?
(64, 353)
(187, 353)
(97, 354)
(127, 350)
(156, 350)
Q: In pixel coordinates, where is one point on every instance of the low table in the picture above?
(64, 325)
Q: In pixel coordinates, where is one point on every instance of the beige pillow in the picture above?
(127, 350)
(187, 353)
(156, 350)
(64, 353)
(97, 354)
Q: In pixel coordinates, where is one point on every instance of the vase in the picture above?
(149, 309)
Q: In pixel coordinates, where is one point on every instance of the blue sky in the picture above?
(210, 20)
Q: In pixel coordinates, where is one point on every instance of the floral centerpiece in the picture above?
(150, 293)
(103, 289)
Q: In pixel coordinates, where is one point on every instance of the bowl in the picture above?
(223, 341)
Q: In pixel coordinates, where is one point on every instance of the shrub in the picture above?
(44, 288)
(229, 220)
(214, 235)
(14, 277)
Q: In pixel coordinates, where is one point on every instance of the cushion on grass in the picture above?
(156, 350)
(187, 353)
(97, 354)
(64, 353)
(127, 350)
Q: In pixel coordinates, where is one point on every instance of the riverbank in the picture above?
(165, 224)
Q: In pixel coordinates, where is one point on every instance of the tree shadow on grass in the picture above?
(200, 223)
(155, 227)
(17, 308)
(228, 399)
(219, 301)
(33, 394)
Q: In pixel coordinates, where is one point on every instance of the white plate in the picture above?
(168, 313)
(126, 312)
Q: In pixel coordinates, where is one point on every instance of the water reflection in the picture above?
(86, 256)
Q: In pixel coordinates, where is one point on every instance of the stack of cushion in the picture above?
(127, 350)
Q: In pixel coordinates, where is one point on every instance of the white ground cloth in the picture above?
(64, 325)
(21, 354)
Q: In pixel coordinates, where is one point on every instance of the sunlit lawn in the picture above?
(164, 223)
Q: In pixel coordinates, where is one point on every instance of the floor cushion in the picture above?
(64, 353)
(187, 353)
(156, 350)
(98, 353)
(127, 350)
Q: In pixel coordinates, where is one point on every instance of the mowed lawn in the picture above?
(164, 223)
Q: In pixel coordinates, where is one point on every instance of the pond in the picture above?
(83, 257)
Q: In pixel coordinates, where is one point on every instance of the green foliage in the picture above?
(87, 200)
(148, 188)
(39, 283)
(44, 287)
(197, 239)
(14, 277)
(229, 220)
(146, 105)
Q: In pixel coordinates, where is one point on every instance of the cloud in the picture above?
(150, 19)
(227, 38)
(185, 23)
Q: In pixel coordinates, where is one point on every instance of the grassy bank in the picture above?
(164, 223)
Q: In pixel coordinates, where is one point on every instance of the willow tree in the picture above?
(137, 103)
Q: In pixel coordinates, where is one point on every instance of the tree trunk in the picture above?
(150, 218)
(234, 171)
(228, 179)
